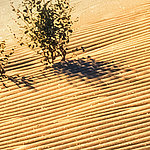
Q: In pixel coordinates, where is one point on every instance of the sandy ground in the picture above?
(98, 100)
(91, 11)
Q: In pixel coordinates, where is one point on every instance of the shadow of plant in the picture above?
(20, 81)
(86, 67)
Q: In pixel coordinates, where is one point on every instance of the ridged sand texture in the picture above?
(98, 100)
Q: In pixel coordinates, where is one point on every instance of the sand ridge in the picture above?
(98, 99)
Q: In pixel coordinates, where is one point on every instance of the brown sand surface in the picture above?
(97, 100)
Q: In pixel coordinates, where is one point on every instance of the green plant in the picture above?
(4, 55)
(47, 25)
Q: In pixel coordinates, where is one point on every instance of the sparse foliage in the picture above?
(4, 55)
(47, 25)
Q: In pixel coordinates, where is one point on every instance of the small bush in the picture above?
(47, 24)
(4, 55)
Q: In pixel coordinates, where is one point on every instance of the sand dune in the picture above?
(96, 100)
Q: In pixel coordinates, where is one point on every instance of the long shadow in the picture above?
(86, 67)
(20, 81)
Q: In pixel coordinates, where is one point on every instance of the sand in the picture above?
(97, 100)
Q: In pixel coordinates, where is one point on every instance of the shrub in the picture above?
(4, 55)
(47, 25)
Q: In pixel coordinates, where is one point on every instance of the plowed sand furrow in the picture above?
(102, 119)
(104, 31)
(147, 68)
(128, 17)
(73, 123)
(144, 144)
(33, 106)
(84, 33)
(131, 53)
(108, 127)
(143, 48)
(134, 64)
(102, 55)
(30, 64)
(46, 82)
(126, 87)
(101, 44)
(140, 49)
(98, 48)
(111, 22)
(111, 32)
(128, 53)
(123, 46)
(113, 38)
(136, 144)
(21, 63)
(133, 139)
(124, 60)
(63, 142)
(107, 108)
(22, 54)
(107, 147)
(114, 85)
(97, 113)
(100, 29)
(113, 82)
(18, 106)
(39, 103)
(73, 144)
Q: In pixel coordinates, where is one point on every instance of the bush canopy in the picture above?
(47, 25)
